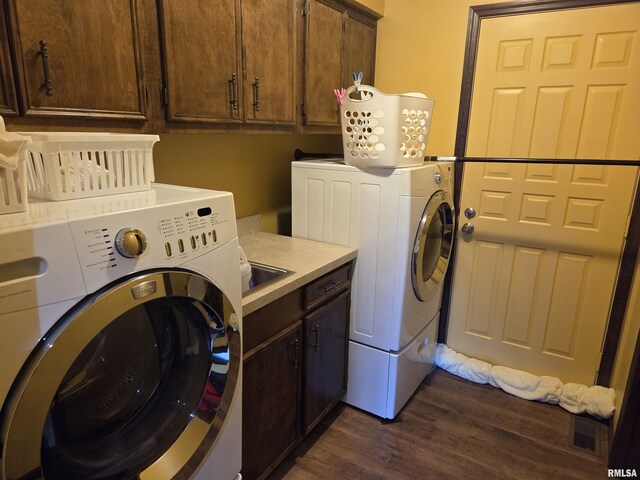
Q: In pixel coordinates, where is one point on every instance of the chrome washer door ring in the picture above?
(189, 332)
(432, 246)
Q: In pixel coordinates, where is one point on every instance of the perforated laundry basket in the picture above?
(13, 184)
(13, 188)
(64, 166)
(380, 130)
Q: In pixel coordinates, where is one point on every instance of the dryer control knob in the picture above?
(131, 242)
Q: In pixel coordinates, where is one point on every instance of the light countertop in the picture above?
(307, 260)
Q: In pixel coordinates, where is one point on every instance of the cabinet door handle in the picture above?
(330, 286)
(295, 353)
(256, 94)
(45, 66)
(233, 91)
(315, 333)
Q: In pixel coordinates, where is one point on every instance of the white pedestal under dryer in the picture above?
(402, 223)
(120, 338)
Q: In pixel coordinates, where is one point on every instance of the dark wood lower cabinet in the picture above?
(295, 368)
(271, 402)
(325, 382)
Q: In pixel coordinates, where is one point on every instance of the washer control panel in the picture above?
(113, 245)
(191, 231)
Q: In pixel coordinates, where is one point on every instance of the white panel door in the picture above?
(533, 284)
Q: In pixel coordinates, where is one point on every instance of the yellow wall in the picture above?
(256, 168)
(421, 48)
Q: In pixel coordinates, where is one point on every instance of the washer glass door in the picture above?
(432, 246)
(137, 372)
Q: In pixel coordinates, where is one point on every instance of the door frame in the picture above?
(631, 247)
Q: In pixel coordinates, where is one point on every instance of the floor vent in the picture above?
(584, 434)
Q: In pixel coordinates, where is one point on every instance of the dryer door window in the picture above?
(432, 246)
(125, 386)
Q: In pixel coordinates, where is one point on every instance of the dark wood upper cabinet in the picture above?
(8, 101)
(338, 41)
(187, 65)
(229, 61)
(200, 42)
(269, 42)
(323, 62)
(360, 51)
(92, 67)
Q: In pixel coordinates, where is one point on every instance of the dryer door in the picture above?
(432, 246)
(135, 382)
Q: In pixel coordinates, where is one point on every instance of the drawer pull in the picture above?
(295, 353)
(330, 286)
(233, 91)
(45, 66)
(256, 94)
(315, 333)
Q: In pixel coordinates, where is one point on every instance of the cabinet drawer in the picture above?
(326, 287)
(262, 324)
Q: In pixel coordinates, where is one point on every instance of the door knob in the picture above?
(470, 212)
(468, 228)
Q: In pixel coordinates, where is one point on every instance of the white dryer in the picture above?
(401, 221)
(120, 338)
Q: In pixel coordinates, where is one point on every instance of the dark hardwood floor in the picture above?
(450, 429)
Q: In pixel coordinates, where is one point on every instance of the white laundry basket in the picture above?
(13, 188)
(13, 184)
(380, 130)
(65, 166)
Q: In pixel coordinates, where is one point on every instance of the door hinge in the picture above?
(164, 95)
(303, 112)
(305, 8)
(626, 228)
(146, 95)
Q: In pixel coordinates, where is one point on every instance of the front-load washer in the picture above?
(401, 221)
(120, 338)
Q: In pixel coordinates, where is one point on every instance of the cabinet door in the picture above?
(8, 104)
(323, 63)
(268, 39)
(200, 45)
(92, 65)
(360, 50)
(326, 350)
(271, 399)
